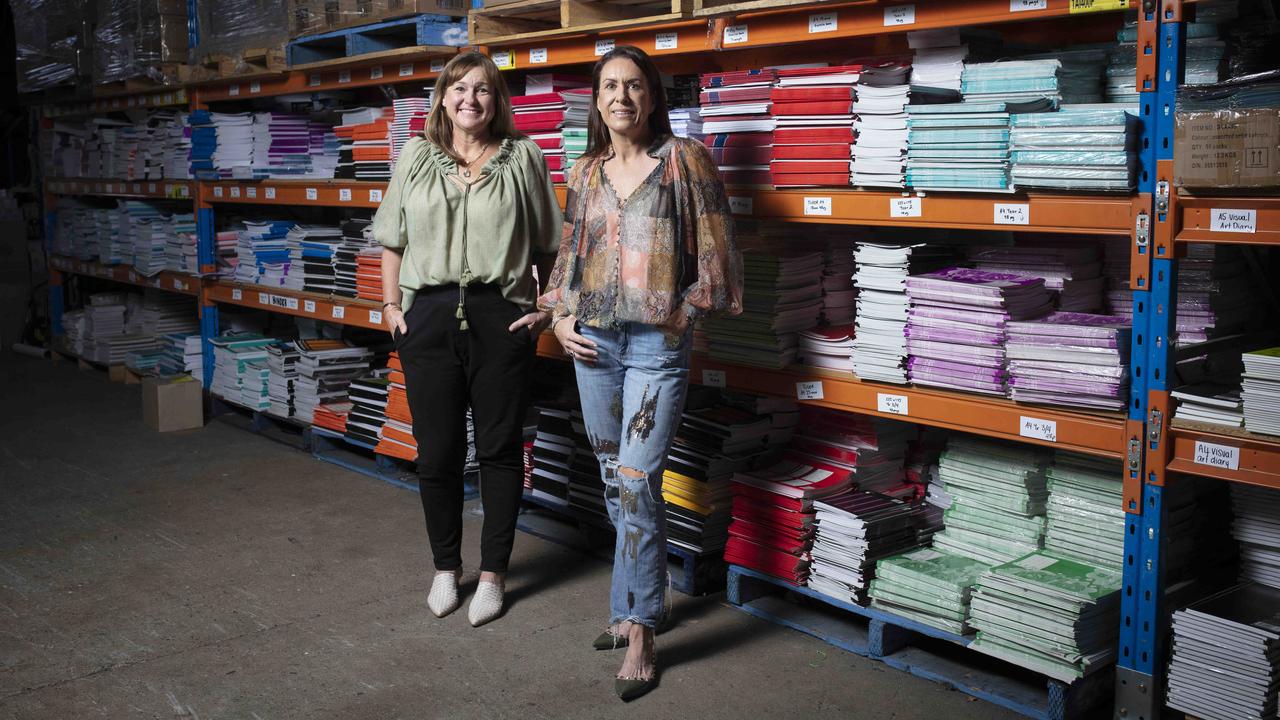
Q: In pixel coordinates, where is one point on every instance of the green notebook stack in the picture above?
(998, 496)
(1055, 616)
(781, 295)
(1086, 510)
(928, 586)
(574, 141)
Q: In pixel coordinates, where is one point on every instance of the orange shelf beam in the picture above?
(399, 66)
(151, 99)
(1197, 452)
(158, 189)
(316, 193)
(1093, 433)
(669, 38)
(344, 311)
(1236, 220)
(165, 280)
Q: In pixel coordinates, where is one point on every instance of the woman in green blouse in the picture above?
(469, 210)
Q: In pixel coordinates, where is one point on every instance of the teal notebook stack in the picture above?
(1086, 510)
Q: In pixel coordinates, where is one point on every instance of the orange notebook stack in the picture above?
(332, 416)
(396, 438)
(369, 274)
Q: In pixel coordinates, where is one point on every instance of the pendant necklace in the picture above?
(466, 170)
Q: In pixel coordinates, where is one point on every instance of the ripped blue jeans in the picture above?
(632, 400)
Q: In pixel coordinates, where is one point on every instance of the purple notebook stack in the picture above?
(956, 326)
(1073, 273)
(1115, 269)
(1073, 359)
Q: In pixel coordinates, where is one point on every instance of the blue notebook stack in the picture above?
(263, 251)
(204, 142)
(963, 146)
(1085, 147)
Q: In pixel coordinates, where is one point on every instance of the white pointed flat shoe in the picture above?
(486, 604)
(444, 594)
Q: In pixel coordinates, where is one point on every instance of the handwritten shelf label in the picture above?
(739, 205)
(375, 317)
(603, 46)
(252, 193)
(1233, 221)
(314, 80)
(339, 312)
(375, 195)
(1219, 456)
(313, 194)
(1012, 214)
(666, 41)
(823, 22)
(309, 306)
(904, 207)
(235, 192)
(255, 87)
(899, 15)
(375, 73)
(537, 56)
(344, 76)
(809, 390)
(817, 206)
(735, 34)
(271, 193)
(237, 294)
(264, 298)
(1038, 429)
(892, 404)
(504, 59)
(437, 65)
(344, 194)
(713, 378)
(406, 69)
(1025, 5)
(217, 191)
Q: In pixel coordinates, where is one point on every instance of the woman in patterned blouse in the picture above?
(647, 249)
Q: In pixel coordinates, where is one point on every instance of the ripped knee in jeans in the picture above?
(630, 482)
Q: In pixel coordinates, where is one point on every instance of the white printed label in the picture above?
(375, 72)
(437, 65)
(735, 34)
(504, 59)
(237, 294)
(1233, 221)
(406, 69)
(666, 41)
(184, 191)
(217, 191)
(904, 207)
(133, 277)
(1038, 429)
(375, 317)
(892, 404)
(344, 76)
(314, 80)
(713, 378)
(344, 194)
(178, 284)
(537, 56)
(739, 205)
(900, 15)
(309, 306)
(1036, 562)
(151, 188)
(811, 390)
(251, 192)
(284, 302)
(235, 192)
(271, 193)
(339, 312)
(1219, 456)
(817, 206)
(313, 194)
(264, 299)
(375, 196)
(1024, 5)
(1012, 214)
(823, 22)
(168, 190)
(234, 90)
(255, 87)
(603, 46)
(137, 188)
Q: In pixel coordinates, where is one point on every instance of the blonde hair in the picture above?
(439, 128)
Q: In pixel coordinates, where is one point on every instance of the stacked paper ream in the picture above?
(881, 125)
(855, 529)
(1261, 391)
(1072, 359)
(1209, 403)
(813, 125)
(998, 497)
(782, 295)
(960, 146)
(1072, 273)
(880, 343)
(239, 366)
(1256, 527)
(1086, 510)
(929, 586)
(956, 327)
(311, 257)
(356, 234)
(395, 439)
(325, 371)
(282, 361)
(368, 414)
(1084, 148)
(736, 122)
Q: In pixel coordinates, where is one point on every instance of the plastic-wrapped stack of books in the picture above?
(1086, 510)
(1261, 391)
(782, 295)
(929, 586)
(1072, 273)
(881, 124)
(735, 114)
(1226, 655)
(1071, 359)
(282, 361)
(325, 371)
(998, 495)
(880, 341)
(1086, 148)
(395, 439)
(1256, 527)
(813, 126)
(855, 529)
(239, 365)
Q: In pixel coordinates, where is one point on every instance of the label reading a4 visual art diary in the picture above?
(1219, 456)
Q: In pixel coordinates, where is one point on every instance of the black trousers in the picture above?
(445, 369)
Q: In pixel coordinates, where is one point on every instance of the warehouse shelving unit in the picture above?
(1157, 218)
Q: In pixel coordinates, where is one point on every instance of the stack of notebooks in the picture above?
(1261, 391)
(325, 370)
(574, 131)
(369, 272)
(686, 122)
(880, 341)
(1076, 148)
(541, 117)
(998, 497)
(1070, 359)
(311, 254)
(1209, 403)
(182, 353)
(1055, 616)
(737, 124)
(180, 254)
(356, 236)
(586, 487)
(829, 346)
(233, 154)
(204, 145)
(956, 326)
(160, 314)
(395, 439)
(881, 125)
(1072, 273)
(325, 148)
(929, 586)
(783, 414)
(1086, 510)
(962, 146)
(813, 126)
(282, 146)
(1256, 527)
(332, 416)
(553, 450)
(872, 449)
(409, 119)
(782, 295)
(364, 137)
(855, 529)
(1226, 655)
(239, 362)
(151, 237)
(263, 252)
(368, 396)
(1216, 295)
(282, 361)
(839, 298)
(1115, 271)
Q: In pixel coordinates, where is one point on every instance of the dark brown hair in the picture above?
(598, 140)
(439, 129)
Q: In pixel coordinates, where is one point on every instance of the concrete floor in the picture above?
(216, 574)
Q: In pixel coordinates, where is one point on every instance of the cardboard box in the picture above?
(172, 403)
(1227, 149)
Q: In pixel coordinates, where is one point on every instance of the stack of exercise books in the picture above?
(735, 114)
(180, 244)
(1072, 273)
(368, 396)
(395, 439)
(854, 529)
(839, 297)
(1226, 655)
(881, 125)
(262, 251)
(369, 272)
(351, 120)
(782, 295)
(573, 133)
(1261, 391)
(409, 118)
(1086, 510)
(356, 236)
(998, 499)
(880, 341)
(813, 125)
(872, 449)
(325, 371)
(203, 133)
(929, 586)
(828, 346)
(311, 257)
(232, 156)
(1055, 616)
(282, 361)
(541, 117)
(1209, 403)
(281, 145)
(239, 362)
(553, 451)
(686, 122)
(1256, 526)
(1216, 295)
(1070, 359)
(956, 327)
(332, 416)
(182, 353)
(1076, 148)
(963, 146)
(783, 414)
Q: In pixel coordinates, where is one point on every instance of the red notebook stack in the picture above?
(813, 134)
(737, 125)
(395, 439)
(541, 117)
(369, 273)
(874, 449)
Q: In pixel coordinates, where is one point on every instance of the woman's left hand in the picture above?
(536, 321)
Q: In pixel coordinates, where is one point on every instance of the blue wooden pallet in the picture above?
(919, 649)
(282, 430)
(334, 447)
(405, 32)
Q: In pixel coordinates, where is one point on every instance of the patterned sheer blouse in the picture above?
(667, 246)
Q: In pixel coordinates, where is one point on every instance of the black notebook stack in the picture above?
(368, 414)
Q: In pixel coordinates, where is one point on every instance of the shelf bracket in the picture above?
(1135, 699)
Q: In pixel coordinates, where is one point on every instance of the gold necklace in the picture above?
(466, 169)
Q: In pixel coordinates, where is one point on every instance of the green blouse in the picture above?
(498, 223)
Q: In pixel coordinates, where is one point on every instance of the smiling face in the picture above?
(625, 99)
(469, 103)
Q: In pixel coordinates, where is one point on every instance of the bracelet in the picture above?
(391, 304)
(557, 322)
